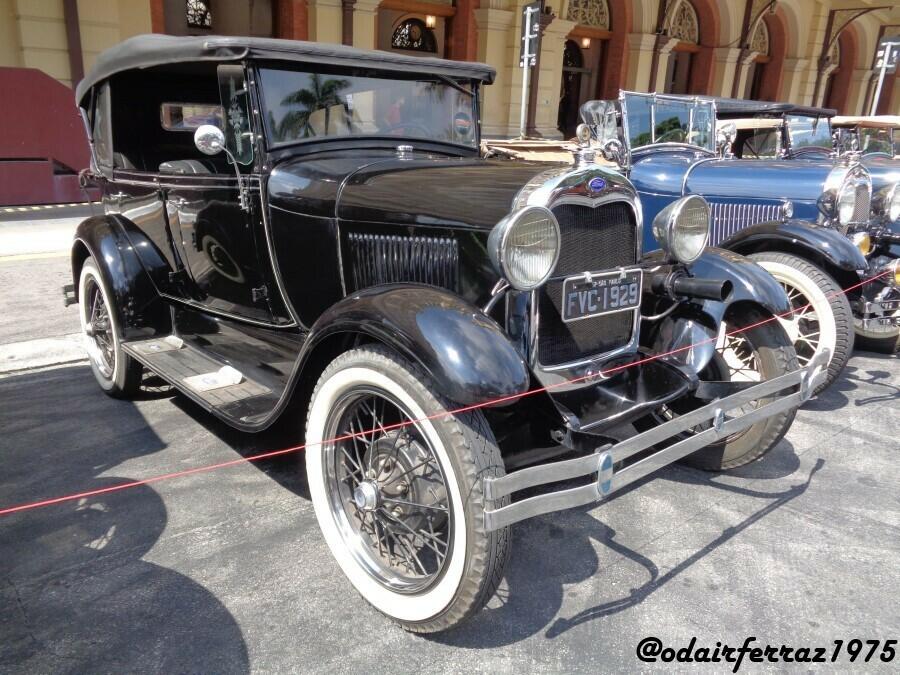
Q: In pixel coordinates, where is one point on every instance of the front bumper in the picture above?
(883, 311)
(604, 461)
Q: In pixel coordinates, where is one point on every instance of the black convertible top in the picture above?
(738, 107)
(145, 51)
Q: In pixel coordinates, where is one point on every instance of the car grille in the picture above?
(592, 240)
(863, 199)
(384, 259)
(729, 219)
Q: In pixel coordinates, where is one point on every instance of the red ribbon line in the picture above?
(475, 406)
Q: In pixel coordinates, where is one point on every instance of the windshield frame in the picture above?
(693, 102)
(788, 133)
(464, 85)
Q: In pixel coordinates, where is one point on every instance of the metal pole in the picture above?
(526, 66)
(885, 59)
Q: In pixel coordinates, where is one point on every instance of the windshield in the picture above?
(653, 119)
(308, 105)
(809, 132)
(873, 141)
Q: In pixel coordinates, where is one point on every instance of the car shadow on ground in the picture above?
(550, 553)
(79, 597)
(851, 379)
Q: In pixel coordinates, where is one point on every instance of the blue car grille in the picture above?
(729, 219)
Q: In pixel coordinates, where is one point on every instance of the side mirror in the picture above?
(209, 139)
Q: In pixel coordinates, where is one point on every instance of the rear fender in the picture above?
(111, 240)
(466, 352)
(688, 335)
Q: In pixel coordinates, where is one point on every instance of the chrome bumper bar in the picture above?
(603, 461)
(877, 312)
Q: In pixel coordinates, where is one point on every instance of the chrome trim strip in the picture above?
(607, 457)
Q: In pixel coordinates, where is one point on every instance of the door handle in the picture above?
(118, 196)
(178, 202)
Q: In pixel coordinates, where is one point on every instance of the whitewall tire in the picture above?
(390, 502)
(822, 318)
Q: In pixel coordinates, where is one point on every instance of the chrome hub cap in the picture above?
(365, 496)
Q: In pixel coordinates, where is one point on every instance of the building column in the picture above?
(73, 41)
(663, 46)
(640, 47)
(462, 37)
(794, 78)
(365, 24)
(291, 19)
(158, 16)
(497, 47)
(725, 60)
(855, 103)
(325, 21)
(347, 22)
(548, 81)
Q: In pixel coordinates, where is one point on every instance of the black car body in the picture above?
(328, 245)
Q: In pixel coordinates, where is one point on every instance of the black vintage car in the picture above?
(307, 232)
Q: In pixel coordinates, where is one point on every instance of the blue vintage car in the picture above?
(789, 132)
(784, 216)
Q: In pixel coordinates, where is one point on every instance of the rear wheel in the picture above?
(116, 372)
(759, 353)
(398, 495)
(822, 317)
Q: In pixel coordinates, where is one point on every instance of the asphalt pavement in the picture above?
(226, 571)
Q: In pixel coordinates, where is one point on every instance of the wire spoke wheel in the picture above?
(98, 329)
(388, 493)
(802, 325)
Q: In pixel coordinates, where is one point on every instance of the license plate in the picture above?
(605, 293)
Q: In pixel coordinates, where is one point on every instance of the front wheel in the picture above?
(821, 318)
(396, 482)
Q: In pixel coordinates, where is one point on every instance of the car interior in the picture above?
(144, 105)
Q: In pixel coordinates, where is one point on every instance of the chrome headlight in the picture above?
(682, 228)
(524, 247)
(846, 202)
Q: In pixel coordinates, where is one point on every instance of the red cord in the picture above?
(504, 399)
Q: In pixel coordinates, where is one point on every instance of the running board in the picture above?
(210, 382)
(604, 461)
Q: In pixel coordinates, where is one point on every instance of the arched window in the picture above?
(593, 13)
(684, 25)
(759, 43)
(198, 14)
(414, 35)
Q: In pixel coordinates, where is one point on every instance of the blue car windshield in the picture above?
(654, 119)
(301, 105)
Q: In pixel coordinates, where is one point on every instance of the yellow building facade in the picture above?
(818, 52)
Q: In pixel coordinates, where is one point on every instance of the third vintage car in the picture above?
(307, 233)
(789, 132)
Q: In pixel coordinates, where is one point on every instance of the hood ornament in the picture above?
(584, 154)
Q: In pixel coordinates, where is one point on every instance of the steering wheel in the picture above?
(672, 136)
(407, 125)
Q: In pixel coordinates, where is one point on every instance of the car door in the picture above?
(219, 216)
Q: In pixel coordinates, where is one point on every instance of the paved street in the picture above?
(226, 571)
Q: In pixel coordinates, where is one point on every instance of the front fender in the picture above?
(139, 309)
(820, 245)
(688, 335)
(466, 352)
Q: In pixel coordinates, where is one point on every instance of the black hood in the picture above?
(379, 187)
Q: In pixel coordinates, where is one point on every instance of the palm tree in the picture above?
(322, 94)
